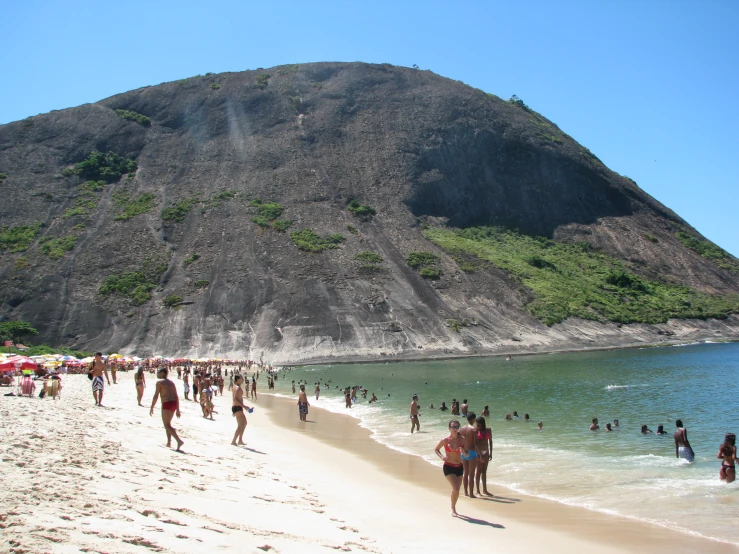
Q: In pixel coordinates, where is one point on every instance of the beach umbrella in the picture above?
(87, 360)
(9, 364)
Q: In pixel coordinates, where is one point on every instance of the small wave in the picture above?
(616, 387)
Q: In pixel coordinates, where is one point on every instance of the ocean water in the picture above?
(622, 472)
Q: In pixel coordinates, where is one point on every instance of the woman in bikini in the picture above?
(237, 409)
(452, 457)
(727, 453)
(140, 381)
(484, 444)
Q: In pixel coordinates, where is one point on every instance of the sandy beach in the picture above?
(85, 479)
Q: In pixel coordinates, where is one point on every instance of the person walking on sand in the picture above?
(484, 445)
(727, 453)
(303, 404)
(453, 470)
(253, 388)
(238, 409)
(140, 381)
(682, 445)
(415, 424)
(170, 405)
(469, 457)
(98, 386)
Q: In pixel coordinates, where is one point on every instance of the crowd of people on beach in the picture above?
(466, 452)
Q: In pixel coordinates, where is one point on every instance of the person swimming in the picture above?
(608, 427)
(661, 430)
(595, 426)
(645, 430)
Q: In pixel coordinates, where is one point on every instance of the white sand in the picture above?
(77, 478)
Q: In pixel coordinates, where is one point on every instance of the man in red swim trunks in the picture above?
(170, 405)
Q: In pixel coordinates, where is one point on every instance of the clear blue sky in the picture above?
(650, 86)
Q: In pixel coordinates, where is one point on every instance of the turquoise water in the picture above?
(621, 472)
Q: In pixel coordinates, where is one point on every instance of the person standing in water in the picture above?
(682, 445)
(415, 424)
(237, 409)
(453, 448)
(98, 386)
(254, 387)
(170, 405)
(317, 390)
(140, 381)
(303, 404)
(727, 453)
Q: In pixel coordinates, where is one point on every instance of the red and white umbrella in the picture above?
(17, 362)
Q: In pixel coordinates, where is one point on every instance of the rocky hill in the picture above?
(338, 211)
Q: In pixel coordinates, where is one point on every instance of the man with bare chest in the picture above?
(469, 454)
(98, 368)
(170, 405)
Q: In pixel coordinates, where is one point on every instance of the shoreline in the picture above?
(513, 510)
(101, 479)
(518, 354)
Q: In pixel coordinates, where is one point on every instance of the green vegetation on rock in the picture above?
(352, 229)
(282, 225)
(172, 300)
(179, 211)
(369, 257)
(267, 214)
(710, 251)
(20, 264)
(220, 197)
(309, 241)
(86, 203)
(3, 176)
(134, 285)
(360, 210)
(370, 263)
(133, 116)
(430, 273)
(190, 259)
(93, 186)
(456, 325)
(55, 248)
(106, 166)
(19, 237)
(201, 284)
(420, 259)
(570, 281)
(131, 207)
(214, 86)
(263, 80)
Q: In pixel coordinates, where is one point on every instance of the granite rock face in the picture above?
(418, 148)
